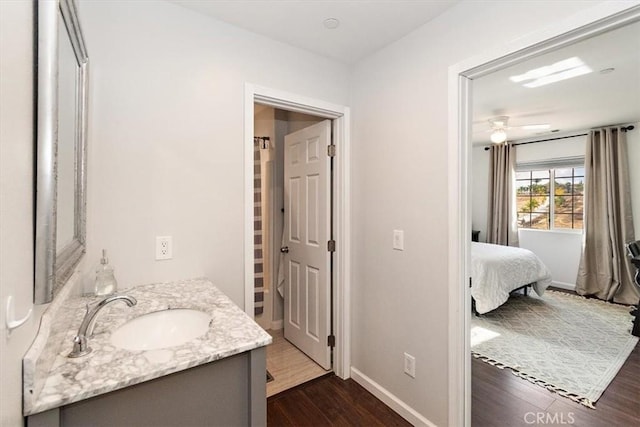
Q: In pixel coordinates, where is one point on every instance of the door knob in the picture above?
(284, 249)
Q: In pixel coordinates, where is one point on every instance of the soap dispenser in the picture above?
(105, 280)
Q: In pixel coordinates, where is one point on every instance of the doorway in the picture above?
(339, 128)
(292, 217)
(597, 21)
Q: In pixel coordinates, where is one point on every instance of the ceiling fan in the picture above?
(500, 124)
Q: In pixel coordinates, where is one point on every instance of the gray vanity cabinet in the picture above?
(227, 392)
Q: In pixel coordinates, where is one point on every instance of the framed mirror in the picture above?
(62, 95)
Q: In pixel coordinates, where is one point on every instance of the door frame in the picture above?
(340, 116)
(602, 17)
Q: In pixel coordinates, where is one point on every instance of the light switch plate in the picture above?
(410, 365)
(398, 240)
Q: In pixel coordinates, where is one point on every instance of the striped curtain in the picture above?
(258, 267)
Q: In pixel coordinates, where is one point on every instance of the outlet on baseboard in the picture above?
(410, 365)
(164, 247)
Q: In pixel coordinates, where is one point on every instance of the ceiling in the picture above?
(365, 25)
(587, 101)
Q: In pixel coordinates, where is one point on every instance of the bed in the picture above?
(498, 270)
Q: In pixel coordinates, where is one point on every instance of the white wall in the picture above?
(480, 165)
(558, 250)
(166, 135)
(16, 198)
(633, 144)
(556, 149)
(298, 121)
(400, 182)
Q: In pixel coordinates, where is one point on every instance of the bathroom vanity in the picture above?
(216, 376)
(215, 379)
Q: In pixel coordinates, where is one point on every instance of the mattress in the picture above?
(497, 270)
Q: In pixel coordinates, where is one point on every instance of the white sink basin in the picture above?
(161, 329)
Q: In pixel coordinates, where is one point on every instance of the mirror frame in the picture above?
(52, 268)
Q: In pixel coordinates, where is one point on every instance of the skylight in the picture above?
(562, 70)
(536, 127)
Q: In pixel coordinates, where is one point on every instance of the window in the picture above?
(538, 210)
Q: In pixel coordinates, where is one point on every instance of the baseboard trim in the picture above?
(564, 285)
(404, 410)
(277, 324)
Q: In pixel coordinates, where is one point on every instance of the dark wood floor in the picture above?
(499, 398)
(329, 401)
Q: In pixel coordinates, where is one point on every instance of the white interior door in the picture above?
(307, 231)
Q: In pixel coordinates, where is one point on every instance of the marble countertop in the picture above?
(108, 368)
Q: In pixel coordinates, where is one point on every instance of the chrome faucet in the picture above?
(80, 341)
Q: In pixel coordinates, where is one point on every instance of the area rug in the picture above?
(568, 344)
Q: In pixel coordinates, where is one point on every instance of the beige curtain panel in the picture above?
(501, 226)
(605, 271)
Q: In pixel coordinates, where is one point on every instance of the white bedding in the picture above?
(497, 270)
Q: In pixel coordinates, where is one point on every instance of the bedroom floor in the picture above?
(499, 398)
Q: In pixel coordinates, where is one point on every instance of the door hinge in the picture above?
(331, 150)
(331, 245)
(331, 341)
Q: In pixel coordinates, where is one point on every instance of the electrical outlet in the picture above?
(164, 247)
(398, 240)
(410, 365)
